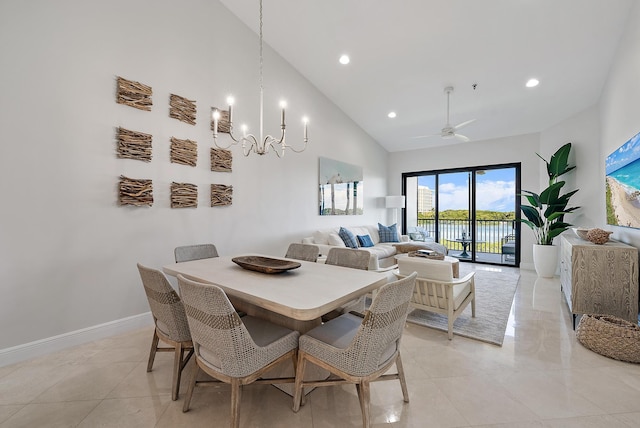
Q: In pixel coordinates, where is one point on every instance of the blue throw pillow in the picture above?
(365, 241)
(388, 233)
(348, 238)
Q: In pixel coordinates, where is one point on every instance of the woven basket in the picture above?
(610, 336)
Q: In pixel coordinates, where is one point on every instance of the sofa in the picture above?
(382, 253)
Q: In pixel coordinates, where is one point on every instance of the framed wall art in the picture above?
(340, 188)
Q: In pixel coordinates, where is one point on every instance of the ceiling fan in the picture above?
(450, 131)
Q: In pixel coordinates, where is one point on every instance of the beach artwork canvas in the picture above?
(623, 184)
(340, 188)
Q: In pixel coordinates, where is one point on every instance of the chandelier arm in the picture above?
(298, 150)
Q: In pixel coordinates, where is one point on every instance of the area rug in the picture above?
(494, 297)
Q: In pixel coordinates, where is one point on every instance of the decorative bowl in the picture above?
(582, 233)
(598, 236)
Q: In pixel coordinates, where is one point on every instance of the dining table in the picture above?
(295, 298)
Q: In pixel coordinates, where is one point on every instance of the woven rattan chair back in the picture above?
(381, 328)
(224, 346)
(165, 304)
(195, 252)
(306, 252)
(170, 320)
(347, 257)
(216, 326)
(373, 349)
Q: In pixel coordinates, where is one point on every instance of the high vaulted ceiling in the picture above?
(405, 52)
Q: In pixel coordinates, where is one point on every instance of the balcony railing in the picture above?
(489, 234)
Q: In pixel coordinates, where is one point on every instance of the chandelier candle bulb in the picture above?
(230, 102)
(305, 121)
(283, 105)
(215, 114)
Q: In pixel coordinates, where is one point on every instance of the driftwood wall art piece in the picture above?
(184, 195)
(134, 94)
(221, 160)
(184, 152)
(223, 122)
(221, 195)
(134, 145)
(182, 109)
(135, 192)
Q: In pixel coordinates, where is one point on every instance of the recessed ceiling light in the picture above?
(344, 59)
(532, 83)
(392, 114)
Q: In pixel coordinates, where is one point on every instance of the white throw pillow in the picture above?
(335, 240)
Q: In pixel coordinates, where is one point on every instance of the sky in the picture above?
(496, 190)
(627, 153)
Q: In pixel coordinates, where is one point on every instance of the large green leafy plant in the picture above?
(545, 212)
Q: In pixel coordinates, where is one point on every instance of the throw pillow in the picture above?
(335, 240)
(348, 238)
(365, 241)
(388, 233)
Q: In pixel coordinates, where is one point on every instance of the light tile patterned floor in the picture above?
(540, 377)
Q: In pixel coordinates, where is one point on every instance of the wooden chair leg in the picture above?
(177, 370)
(192, 386)
(298, 395)
(403, 382)
(154, 348)
(236, 395)
(365, 399)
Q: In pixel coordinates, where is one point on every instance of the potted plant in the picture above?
(545, 212)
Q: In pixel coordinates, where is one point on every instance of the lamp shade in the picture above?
(394, 201)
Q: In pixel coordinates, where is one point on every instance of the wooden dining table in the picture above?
(295, 298)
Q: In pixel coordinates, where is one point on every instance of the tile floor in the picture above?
(540, 377)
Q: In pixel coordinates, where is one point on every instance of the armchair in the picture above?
(436, 289)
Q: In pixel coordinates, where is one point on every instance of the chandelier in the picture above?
(251, 143)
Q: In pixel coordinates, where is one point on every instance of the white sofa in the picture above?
(382, 253)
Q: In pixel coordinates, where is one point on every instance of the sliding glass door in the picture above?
(471, 210)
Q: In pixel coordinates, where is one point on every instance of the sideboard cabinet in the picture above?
(599, 279)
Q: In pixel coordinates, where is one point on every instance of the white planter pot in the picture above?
(545, 260)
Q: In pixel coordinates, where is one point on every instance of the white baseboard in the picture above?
(49, 345)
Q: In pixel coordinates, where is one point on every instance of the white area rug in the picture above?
(494, 297)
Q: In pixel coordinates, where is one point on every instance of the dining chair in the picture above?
(359, 350)
(233, 350)
(306, 252)
(171, 326)
(195, 252)
(437, 290)
(351, 258)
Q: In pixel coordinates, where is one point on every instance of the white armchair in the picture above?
(436, 289)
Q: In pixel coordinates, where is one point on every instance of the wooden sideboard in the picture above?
(599, 279)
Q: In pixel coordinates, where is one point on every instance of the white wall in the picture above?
(68, 252)
(583, 132)
(515, 149)
(619, 109)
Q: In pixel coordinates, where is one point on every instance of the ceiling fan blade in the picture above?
(425, 136)
(463, 124)
(462, 138)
